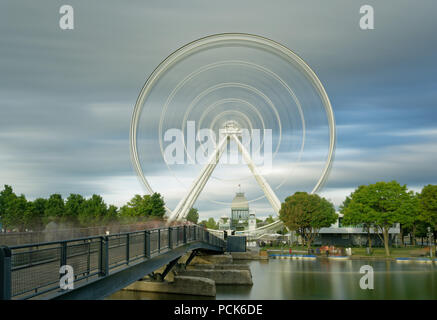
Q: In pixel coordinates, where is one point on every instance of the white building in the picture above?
(337, 234)
(252, 222)
(224, 223)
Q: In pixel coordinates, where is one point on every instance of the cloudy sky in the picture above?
(66, 97)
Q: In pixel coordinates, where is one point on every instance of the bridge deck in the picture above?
(102, 264)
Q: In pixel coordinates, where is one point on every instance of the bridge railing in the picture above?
(27, 271)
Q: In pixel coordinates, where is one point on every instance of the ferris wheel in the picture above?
(228, 109)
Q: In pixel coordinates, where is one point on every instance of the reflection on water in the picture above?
(322, 279)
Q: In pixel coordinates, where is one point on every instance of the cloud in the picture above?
(66, 98)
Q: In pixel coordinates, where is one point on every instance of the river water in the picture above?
(321, 279)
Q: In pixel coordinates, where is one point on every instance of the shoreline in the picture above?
(301, 253)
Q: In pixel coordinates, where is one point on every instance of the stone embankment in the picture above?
(180, 285)
(250, 255)
(200, 277)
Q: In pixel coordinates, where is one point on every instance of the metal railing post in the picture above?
(88, 260)
(63, 254)
(5, 273)
(170, 245)
(104, 256)
(127, 248)
(101, 256)
(63, 260)
(185, 234)
(147, 244)
(159, 240)
(178, 230)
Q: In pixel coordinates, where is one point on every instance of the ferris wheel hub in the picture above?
(232, 127)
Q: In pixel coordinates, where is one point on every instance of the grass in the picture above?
(394, 252)
(361, 251)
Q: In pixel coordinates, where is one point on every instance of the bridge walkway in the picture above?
(102, 265)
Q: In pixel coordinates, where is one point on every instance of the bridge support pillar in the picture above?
(161, 276)
(191, 257)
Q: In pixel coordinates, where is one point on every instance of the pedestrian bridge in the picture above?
(101, 265)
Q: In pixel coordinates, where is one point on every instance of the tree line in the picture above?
(193, 216)
(376, 207)
(18, 213)
(380, 205)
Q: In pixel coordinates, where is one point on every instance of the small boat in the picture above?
(419, 260)
(294, 256)
(338, 257)
(304, 257)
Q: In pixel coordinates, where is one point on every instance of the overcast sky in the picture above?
(66, 97)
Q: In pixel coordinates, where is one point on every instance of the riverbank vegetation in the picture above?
(381, 205)
(307, 214)
(376, 207)
(378, 252)
(19, 214)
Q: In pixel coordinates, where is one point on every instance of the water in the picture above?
(322, 279)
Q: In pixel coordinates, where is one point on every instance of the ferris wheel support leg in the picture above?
(268, 191)
(191, 194)
(186, 209)
(187, 202)
(196, 192)
(200, 183)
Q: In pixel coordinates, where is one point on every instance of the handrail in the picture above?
(31, 270)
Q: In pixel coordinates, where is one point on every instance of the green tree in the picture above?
(93, 210)
(16, 213)
(193, 215)
(73, 206)
(357, 218)
(409, 216)
(137, 206)
(157, 205)
(126, 212)
(380, 204)
(203, 223)
(144, 206)
(428, 205)
(55, 207)
(422, 230)
(269, 219)
(211, 224)
(111, 214)
(306, 214)
(36, 216)
(7, 195)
